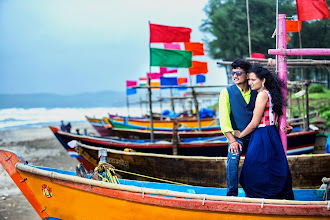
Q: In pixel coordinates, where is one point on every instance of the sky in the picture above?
(76, 46)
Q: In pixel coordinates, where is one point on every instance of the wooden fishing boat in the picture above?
(105, 129)
(59, 194)
(306, 170)
(165, 135)
(101, 126)
(182, 126)
(182, 122)
(217, 146)
(200, 147)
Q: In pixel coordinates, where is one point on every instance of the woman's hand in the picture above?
(237, 133)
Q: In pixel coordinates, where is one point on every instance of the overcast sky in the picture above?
(75, 46)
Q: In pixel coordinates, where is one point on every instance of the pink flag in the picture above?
(154, 75)
(172, 46)
(130, 83)
(167, 70)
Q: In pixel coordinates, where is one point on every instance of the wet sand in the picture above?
(39, 147)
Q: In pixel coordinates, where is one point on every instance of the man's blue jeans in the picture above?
(232, 168)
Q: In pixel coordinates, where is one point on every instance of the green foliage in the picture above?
(317, 88)
(324, 112)
(228, 24)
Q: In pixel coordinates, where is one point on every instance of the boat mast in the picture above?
(150, 100)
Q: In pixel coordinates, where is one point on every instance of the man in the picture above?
(63, 126)
(236, 104)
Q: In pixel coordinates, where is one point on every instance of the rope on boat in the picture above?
(149, 177)
(107, 170)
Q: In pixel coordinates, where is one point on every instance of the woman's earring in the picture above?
(263, 85)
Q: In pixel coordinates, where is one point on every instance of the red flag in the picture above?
(130, 83)
(168, 34)
(198, 68)
(196, 48)
(293, 26)
(312, 9)
(258, 55)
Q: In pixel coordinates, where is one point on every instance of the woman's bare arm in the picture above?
(259, 109)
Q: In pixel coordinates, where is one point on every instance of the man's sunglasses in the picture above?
(238, 73)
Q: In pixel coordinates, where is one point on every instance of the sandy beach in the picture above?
(39, 147)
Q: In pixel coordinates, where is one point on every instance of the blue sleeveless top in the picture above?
(241, 112)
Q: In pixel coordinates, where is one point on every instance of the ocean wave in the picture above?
(24, 118)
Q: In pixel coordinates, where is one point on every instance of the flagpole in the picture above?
(248, 24)
(161, 103)
(127, 104)
(150, 98)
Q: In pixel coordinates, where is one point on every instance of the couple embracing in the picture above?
(249, 111)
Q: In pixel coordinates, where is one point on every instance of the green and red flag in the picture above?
(170, 58)
(143, 81)
(168, 34)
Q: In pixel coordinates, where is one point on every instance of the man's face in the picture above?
(239, 75)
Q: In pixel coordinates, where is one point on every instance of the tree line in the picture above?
(226, 32)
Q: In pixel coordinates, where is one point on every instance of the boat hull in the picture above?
(307, 171)
(63, 196)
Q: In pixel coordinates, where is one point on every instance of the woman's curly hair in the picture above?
(273, 84)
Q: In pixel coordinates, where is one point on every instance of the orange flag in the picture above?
(198, 68)
(155, 83)
(293, 26)
(182, 80)
(287, 38)
(196, 48)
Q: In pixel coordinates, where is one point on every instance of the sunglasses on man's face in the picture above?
(238, 73)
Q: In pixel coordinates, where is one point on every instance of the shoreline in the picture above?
(39, 147)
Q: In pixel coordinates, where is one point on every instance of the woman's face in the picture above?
(255, 82)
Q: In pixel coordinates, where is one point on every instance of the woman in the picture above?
(265, 173)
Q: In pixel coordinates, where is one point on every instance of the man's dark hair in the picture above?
(238, 62)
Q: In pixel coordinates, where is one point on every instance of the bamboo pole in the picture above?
(248, 24)
(282, 73)
(150, 97)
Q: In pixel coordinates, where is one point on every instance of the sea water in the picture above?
(16, 118)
